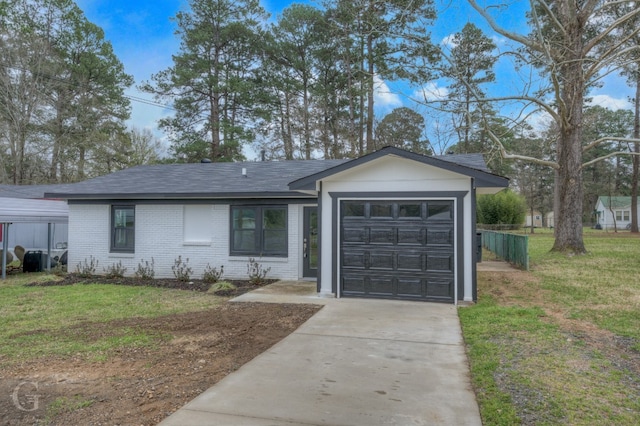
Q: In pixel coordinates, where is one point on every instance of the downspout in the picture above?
(5, 248)
(49, 247)
(474, 254)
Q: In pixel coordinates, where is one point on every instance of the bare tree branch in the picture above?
(611, 154)
(508, 34)
(608, 139)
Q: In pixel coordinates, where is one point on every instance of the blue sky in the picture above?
(142, 35)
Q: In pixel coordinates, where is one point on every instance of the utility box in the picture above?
(36, 261)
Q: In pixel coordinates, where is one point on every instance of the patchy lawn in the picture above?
(118, 354)
(560, 344)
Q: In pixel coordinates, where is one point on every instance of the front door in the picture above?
(310, 242)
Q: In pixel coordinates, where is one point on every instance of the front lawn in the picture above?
(560, 344)
(34, 320)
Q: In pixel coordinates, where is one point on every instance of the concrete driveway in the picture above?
(356, 362)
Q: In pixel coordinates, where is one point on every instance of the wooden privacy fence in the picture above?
(510, 247)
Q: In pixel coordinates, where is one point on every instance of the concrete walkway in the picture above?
(355, 362)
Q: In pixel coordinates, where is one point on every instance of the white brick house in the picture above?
(391, 224)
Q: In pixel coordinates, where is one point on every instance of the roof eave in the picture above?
(179, 196)
(483, 179)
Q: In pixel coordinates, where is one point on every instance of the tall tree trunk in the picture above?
(214, 122)
(287, 138)
(636, 158)
(370, 92)
(361, 94)
(571, 78)
(307, 130)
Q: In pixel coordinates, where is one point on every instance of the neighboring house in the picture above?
(32, 235)
(390, 224)
(537, 219)
(550, 219)
(614, 212)
(28, 220)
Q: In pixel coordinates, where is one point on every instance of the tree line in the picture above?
(62, 101)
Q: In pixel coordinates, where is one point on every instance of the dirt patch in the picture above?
(143, 385)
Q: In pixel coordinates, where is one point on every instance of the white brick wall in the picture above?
(159, 234)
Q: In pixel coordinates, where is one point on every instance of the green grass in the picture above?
(39, 321)
(63, 405)
(535, 368)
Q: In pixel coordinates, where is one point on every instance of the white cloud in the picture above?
(448, 41)
(610, 102)
(383, 97)
(431, 92)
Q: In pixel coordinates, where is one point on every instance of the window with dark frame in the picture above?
(259, 231)
(123, 219)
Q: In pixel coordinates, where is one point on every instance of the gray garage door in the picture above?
(397, 249)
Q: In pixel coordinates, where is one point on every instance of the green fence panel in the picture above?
(510, 247)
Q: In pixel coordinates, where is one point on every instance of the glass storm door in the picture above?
(310, 242)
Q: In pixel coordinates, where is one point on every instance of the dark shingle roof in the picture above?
(217, 180)
(205, 180)
(30, 191)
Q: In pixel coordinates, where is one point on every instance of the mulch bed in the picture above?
(241, 286)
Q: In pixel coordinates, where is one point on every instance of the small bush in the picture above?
(222, 286)
(115, 271)
(145, 271)
(87, 269)
(257, 274)
(212, 275)
(59, 270)
(181, 269)
(503, 208)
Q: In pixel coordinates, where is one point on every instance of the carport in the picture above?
(22, 210)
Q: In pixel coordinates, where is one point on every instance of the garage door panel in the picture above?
(410, 262)
(440, 263)
(411, 236)
(440, 236)
(380, 285)
(440, 288)
(410, 287)
(354, 235)
(381, 235)
(353, 284)
(381, 260)
(353, 259)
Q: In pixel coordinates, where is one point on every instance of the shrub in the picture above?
(503, 208)
(222, 286)
(59, 270)
(145, 271)
(115, 271)
(212, 275)
(256, 272)
(87, 269)
(181, 269)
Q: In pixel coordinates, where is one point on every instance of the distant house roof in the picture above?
(269, 179)
(24, 210)
(615, 202)
(26, 204)
(29, 191)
